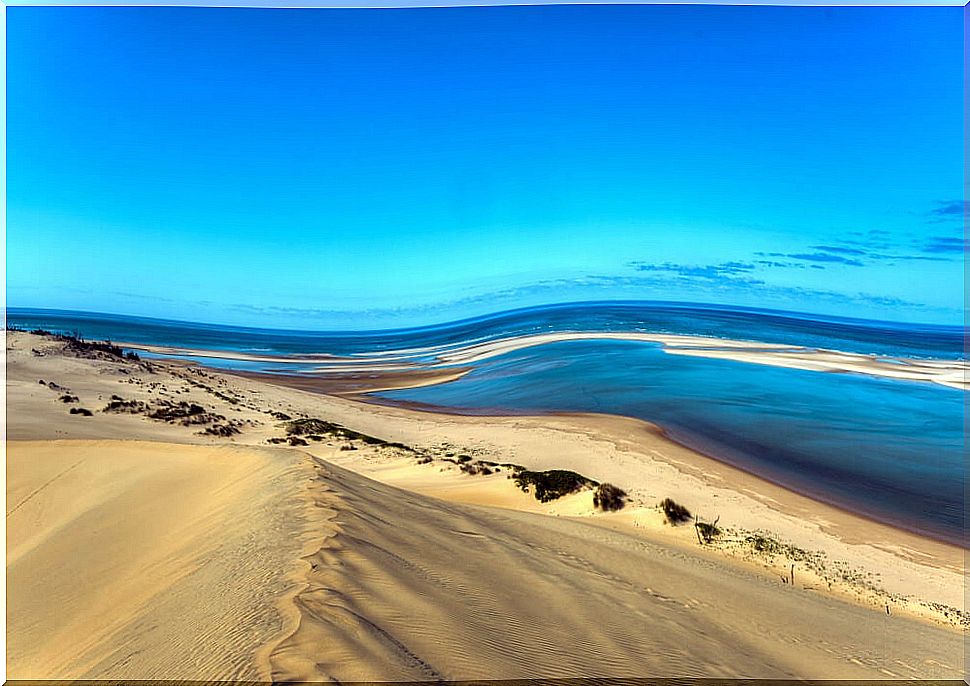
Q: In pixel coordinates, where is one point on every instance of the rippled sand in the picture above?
(139, 549)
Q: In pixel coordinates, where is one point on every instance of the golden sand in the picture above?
(144, 549)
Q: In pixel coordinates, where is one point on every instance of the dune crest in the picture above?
(133, 559)
(364, 554)
(410, 587)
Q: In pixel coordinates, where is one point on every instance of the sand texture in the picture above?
(141, 547)
(145, 560)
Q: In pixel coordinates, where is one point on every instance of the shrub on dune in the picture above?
(609, 498)
(551, 484)
(320, 427)
(675, 513)
(707, 532)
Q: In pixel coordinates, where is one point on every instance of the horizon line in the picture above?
(674, 304)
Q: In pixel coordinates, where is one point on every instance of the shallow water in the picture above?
(860, 336)
(890, 449)
(893, 450)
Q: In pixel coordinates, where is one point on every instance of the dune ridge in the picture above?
(142, 545)
(137, 559)
(416, 588)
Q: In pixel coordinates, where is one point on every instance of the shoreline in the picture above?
(821, 526)
(354, 385)
(361, 575)
(364, 396)
(945, 372)
(706, 464)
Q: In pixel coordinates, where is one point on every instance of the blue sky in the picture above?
(369, 168)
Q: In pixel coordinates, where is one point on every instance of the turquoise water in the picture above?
(850, 335)
(890, 449)
(893, 450)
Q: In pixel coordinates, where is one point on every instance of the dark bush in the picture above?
(189, 413)
(81, 411)
(475, 468)
(126, 406)
(306, 427)
(708, 532)
(186, 414)
(763, 544)
(301, 427)
(95, 349)
(674, 512)
(609, 498)
(220, 430)
(68, 398)
(551, 484)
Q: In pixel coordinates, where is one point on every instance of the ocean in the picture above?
(891, 450)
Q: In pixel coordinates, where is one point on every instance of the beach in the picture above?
(238, 550)
(486, 344)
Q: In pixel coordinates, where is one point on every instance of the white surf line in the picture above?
(453, 353)
(331, 361)
(952, 374)
(461, 353)
(306, 358)
(226, 354)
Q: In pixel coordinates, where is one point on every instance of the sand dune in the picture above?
(145, 549)
(147, 560)
(412, 587)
